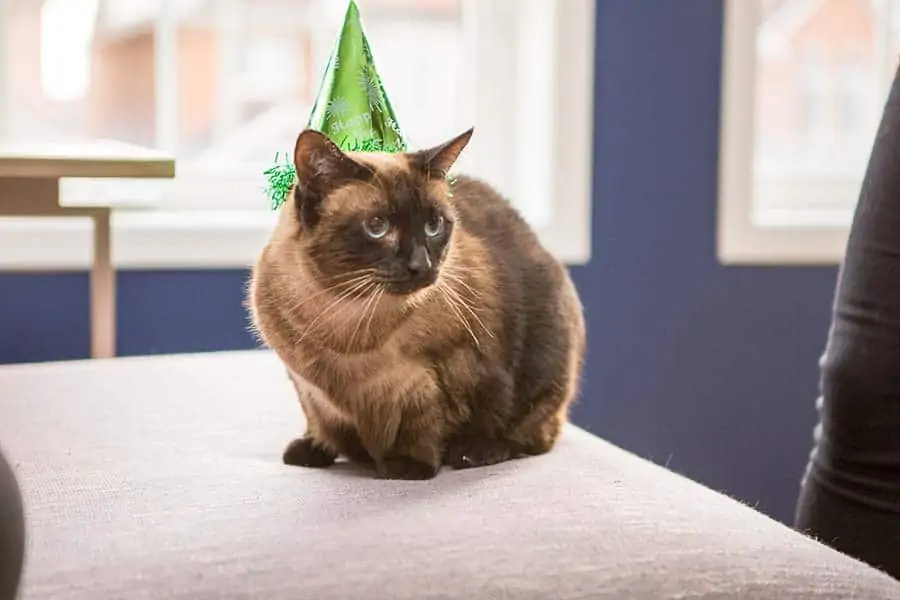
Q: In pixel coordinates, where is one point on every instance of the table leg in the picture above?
(103, 290)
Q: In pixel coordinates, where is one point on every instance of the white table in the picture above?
(30, 175)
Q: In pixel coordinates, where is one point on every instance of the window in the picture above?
(854, 100)
(803, 87)
(225, 84)
(813, 109)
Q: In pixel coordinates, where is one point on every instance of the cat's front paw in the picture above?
(304, 452)
(466, 453)
(404, 467)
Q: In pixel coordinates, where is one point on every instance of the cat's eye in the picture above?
(376, 227)
(435, 226)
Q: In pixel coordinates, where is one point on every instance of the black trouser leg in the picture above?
(850, 497)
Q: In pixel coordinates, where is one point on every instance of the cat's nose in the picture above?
(419, 262)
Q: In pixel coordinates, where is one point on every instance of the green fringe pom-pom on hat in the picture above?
(351, 107)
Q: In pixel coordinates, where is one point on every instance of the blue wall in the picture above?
(709, 369)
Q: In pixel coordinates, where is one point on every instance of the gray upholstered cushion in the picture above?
(161, 478)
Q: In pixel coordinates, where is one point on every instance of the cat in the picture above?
(419, 317)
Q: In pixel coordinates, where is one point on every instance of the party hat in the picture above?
(351, 106)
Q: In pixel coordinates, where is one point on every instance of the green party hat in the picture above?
(351, 107)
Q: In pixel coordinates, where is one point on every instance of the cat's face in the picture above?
(374, 221)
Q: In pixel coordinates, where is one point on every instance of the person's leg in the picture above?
(12, 532)
(850, 495)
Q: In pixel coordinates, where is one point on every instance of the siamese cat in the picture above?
(418, 315)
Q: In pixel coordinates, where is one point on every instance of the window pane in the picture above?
(47, 72)
(219, 82)
(822, 72)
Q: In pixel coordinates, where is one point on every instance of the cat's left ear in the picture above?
(321, 168)
(436, 162)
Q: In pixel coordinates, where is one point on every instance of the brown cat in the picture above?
(421, 321)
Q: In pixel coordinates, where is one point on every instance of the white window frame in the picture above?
(537, 120)
(740, 241)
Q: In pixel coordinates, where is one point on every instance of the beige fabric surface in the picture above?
(161, 478)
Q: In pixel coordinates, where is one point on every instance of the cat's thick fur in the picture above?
(414, 349)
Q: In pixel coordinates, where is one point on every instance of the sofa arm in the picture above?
(162, 478)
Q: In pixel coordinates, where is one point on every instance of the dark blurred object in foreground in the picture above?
(12, 532)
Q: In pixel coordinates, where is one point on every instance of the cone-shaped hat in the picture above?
(351, 106)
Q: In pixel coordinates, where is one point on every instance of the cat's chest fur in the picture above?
(346, 380)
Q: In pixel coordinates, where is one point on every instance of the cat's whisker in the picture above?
(368, 311)
(314, 328)
(348, 274)
(380, 294)
(345, 276)
(442, 288)
(469, 309)
(370, 303)
(342, 278)
(336, 307)
(318, 297)
(305, 300)
(363, 291)
(456, 278)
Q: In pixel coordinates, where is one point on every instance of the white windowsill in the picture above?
(189, 240)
